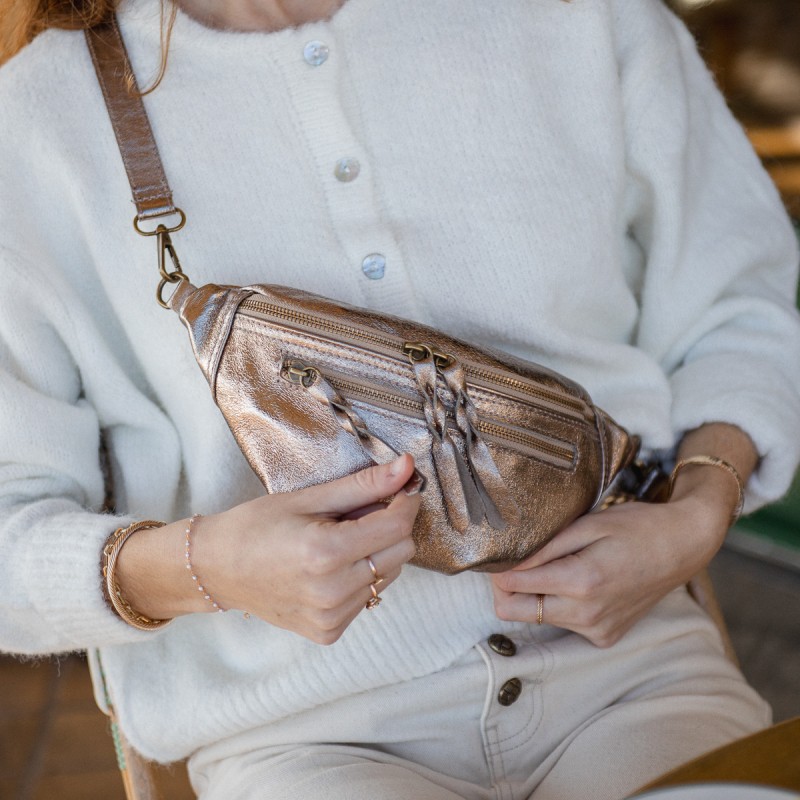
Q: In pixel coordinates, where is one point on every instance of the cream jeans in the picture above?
(587, 723)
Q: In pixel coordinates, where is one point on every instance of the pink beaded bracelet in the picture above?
(200, 588)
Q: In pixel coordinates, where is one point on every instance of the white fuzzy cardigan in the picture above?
(560, 180)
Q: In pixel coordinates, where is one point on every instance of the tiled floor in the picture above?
(54, 743)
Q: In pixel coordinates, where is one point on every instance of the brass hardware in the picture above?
(417, 351)
(165, 247)
(299, 374)
(142, 232)
(298, 319)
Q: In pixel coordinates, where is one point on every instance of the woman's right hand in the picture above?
(297, 560)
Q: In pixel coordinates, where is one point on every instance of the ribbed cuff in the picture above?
(64, 580)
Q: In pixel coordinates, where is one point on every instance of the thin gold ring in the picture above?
(375, 600)
(377, 580)
(540, 609)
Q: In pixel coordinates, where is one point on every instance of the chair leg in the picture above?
(702, 590)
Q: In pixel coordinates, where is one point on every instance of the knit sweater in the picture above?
(558, 180)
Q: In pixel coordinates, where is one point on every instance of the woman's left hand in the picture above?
(607, 569)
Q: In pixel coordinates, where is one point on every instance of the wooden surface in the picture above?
(55, 743)
(769, 758)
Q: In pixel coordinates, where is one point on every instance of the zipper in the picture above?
(527, 442)
(393, 347)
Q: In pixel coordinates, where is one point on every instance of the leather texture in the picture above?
(509, 452)
(151, 192)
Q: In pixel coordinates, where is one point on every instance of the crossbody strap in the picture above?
(137, 146)
(151, 192)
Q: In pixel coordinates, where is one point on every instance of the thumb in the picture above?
(362, 488)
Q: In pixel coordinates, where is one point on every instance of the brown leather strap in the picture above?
(151, 192)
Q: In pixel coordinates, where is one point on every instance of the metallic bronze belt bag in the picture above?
(507, 452)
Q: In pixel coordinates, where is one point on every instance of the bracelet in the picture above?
(187, 553)
(712, 461)
(112, 593)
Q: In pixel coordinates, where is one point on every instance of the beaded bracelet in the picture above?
(112, 592)
(187, 553)
(712, 461)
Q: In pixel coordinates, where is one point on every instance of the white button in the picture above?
(347, 169)
(374, 266)
(316, 53)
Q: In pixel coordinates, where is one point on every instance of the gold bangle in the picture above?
(112, 593)
(712, 461)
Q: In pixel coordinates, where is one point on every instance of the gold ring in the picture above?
(540, 609)
(377, 580)
(375, 600)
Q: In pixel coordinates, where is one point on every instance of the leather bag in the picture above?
(507, 452)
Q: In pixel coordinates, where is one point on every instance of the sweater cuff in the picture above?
(65, 583)
(758, 400)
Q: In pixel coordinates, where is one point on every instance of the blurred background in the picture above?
(54, 743)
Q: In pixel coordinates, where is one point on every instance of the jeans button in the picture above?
(510, 692)
(502, 645)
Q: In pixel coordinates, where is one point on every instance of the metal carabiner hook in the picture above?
(176, 275)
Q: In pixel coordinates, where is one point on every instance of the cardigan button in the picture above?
(347, 169)
(502, 645)
(510, 692)
(374, 266)
(316, 53)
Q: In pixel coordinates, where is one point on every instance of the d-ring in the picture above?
(377, 580)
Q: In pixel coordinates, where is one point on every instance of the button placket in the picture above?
(316, 81)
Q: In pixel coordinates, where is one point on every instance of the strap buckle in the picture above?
(165, 249)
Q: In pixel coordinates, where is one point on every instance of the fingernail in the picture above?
(415, 484)
(395, 467)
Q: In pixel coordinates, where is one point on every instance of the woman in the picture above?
(560, 180)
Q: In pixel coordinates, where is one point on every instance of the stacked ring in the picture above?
(377, 580)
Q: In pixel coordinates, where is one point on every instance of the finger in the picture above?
(362, 488)
(574, 538)
(516, 607)
(380, 529)
(386, 562)
(362, 512)
(568, 576)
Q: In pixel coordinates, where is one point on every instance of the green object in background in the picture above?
(773, 532)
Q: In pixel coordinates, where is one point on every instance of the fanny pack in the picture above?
(507, 452)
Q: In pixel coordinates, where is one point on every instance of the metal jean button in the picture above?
(502, 645)
(509, 692)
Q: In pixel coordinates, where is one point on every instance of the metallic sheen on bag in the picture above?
(508, 452)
